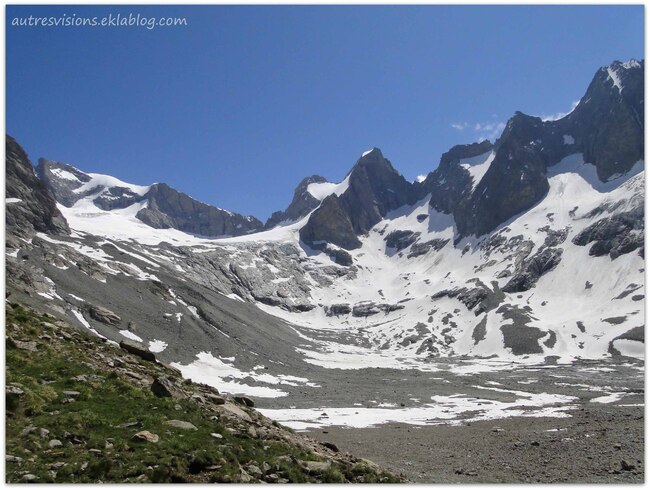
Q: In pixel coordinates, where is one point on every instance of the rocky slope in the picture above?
(81, 410)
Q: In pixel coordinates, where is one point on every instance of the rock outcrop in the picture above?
(30, 206)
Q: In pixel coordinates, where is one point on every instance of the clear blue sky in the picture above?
(242, 103)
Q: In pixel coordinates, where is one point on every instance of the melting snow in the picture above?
(443, 410)
(215, 372)
(611, 398)
(157, 345)
(130, 335)
(630, 348)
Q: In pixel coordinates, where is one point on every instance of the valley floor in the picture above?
(598, 444)
(580, 423)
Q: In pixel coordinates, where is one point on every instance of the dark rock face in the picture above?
(514, 182)
(450, 182)
(418, 249)
(608, 123)
(338, 309)
(616, 235)
(480, 330)
(530, 270)
(606, 126)
(480, 297)
(330, 223)
(401, 239)
(169, 208)
(375, 188)
(369, 308)
(301, 204)
(36, 209)
(341, 257)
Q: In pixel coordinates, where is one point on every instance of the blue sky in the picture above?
(242, 103)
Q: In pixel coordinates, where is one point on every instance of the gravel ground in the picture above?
(599, 440)
(598, 444)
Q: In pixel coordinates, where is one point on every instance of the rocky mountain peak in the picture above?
(30, 206)
(373, 161)
(302, 203)
(619, 75)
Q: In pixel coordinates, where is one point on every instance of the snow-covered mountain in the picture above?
(529, 249)
(90, 196)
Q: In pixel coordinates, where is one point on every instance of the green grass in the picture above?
(105, 402)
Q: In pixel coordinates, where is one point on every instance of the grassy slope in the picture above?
(93, 425)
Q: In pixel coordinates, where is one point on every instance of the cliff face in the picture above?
(30, 207)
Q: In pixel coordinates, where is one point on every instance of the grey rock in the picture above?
(216, 399)
(244, 400)
(164, 387)
(526, 276)
(338, 309)
(316, 466)
(138, 349)
(104, 315)
(401, 239)
(616, 235)
(146, 436)
(181, 424)
(418, 249)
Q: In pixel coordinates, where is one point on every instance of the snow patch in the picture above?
(130, 335)
(321, 190)
(221, 374)
(630, 348)
(64, 174)
(444, 410)
(157, 345)
(477, 166)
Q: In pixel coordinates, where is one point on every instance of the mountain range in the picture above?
(529, 249)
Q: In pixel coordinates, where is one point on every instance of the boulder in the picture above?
(104, 315)
(181, 424)
(243, 400)
(164, 387)
(138, 349)
(146, 436)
